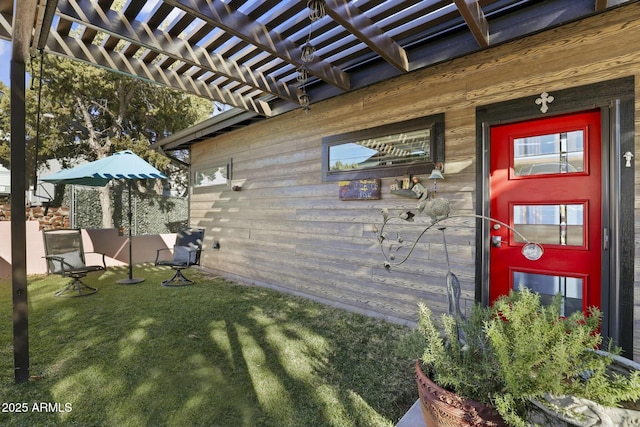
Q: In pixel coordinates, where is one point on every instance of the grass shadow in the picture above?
(211, 354)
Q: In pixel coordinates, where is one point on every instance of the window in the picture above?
(219, 174)
(397, 149)
(548, 286)
(561, 224)
(558, 153)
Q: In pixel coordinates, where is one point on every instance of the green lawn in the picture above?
(211, 354)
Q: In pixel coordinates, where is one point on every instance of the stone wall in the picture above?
(48, 219)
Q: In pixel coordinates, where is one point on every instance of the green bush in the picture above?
(467, 366)
(152, 214)
(520, 349)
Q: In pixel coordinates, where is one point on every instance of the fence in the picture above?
(151, 213)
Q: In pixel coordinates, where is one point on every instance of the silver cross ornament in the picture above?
(544, 100)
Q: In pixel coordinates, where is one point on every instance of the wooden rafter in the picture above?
(97, 55)
(42, 25)
(117, 25)
(351, 18)
(23, 24)
(247, 53)
(475, 19)
(90, 33)
(221, 15)
(5, 25)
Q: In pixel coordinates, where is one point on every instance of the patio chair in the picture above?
(65, 255)
(184, 254)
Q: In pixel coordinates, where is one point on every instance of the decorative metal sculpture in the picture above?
(437, 210)
(453, 284)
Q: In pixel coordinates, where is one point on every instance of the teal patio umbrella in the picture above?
(121, 165)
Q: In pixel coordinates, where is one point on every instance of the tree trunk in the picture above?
(107, 207)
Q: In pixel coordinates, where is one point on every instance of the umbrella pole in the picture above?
(131, 280)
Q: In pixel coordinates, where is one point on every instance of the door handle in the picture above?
(496, 241)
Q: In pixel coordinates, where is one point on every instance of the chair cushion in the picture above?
(184, 255)
(70, 259)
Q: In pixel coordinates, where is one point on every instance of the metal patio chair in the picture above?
(65, 255)
(184, 254)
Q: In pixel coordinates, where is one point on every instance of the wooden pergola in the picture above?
(261, 57)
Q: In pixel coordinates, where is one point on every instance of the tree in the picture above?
(88, 113)
(5, 125)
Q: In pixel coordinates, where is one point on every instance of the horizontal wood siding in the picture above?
(286, 228)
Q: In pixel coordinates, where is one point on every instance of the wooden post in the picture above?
(18, 223)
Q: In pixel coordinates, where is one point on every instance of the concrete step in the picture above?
(413, 418)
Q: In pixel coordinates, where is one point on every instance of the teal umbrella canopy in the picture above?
(121, 165)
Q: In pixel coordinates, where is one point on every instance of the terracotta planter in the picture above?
(442, 408)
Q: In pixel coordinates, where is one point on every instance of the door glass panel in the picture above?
(548, 286)
(550, 224)
(557, 153)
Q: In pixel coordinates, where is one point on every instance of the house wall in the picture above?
(288, 229)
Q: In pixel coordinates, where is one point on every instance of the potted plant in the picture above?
(460, 374)
(516, 363)
(521, 358)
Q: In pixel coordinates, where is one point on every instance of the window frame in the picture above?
(436, 146)
(227, 165)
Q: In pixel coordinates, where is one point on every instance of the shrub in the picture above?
(520, 349)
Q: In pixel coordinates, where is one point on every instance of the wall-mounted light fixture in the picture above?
(436, 174)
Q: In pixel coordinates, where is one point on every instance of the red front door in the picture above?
(545, 181)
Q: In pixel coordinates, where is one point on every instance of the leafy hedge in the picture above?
(152, 214)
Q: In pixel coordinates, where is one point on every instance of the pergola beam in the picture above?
(230, 20)
(351, 18)
(42, 25)
(118, 26)
(98, 56)
(476, 21)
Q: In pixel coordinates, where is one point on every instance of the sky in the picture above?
(5, 61)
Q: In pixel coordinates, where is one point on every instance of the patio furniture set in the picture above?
(65, 256)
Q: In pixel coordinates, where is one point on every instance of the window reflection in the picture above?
(390, 150)
(548, 286)
(557, 153)
(550, 224)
